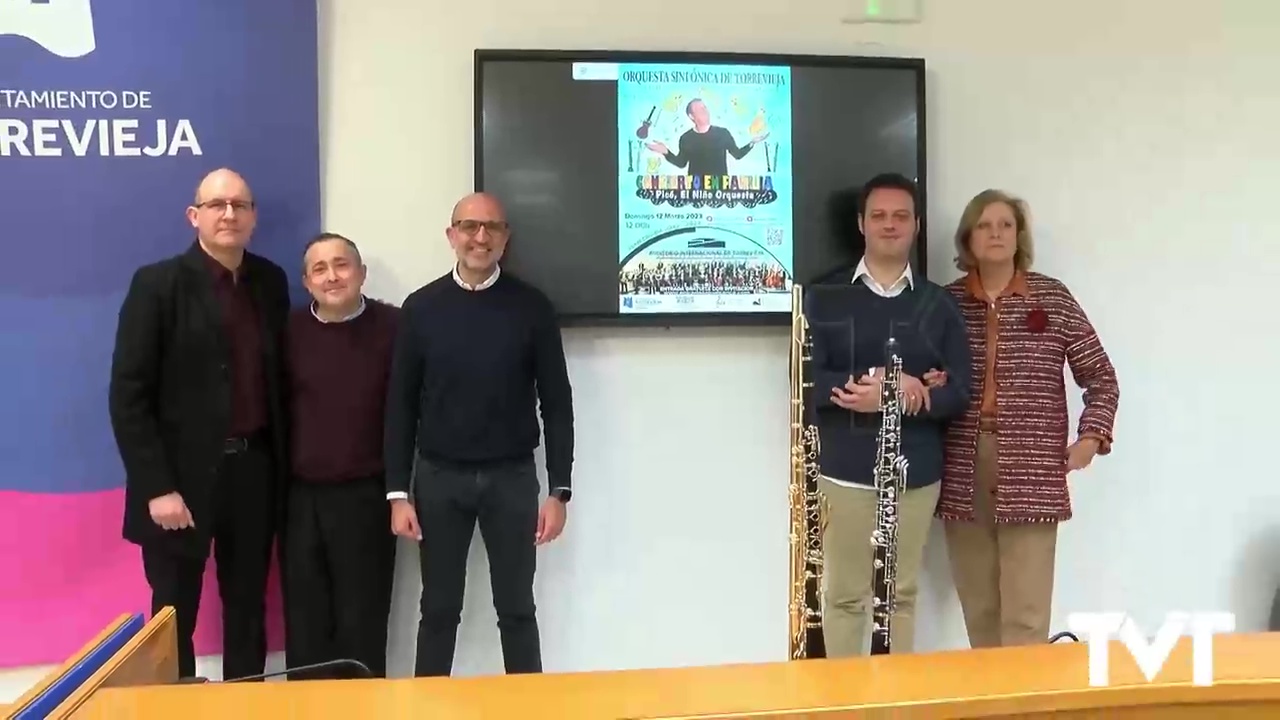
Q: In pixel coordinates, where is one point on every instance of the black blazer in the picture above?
(170, 393)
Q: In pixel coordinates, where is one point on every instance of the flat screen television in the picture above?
(650, 188)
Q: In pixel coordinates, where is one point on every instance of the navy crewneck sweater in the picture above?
(849, 325)
(471, 370)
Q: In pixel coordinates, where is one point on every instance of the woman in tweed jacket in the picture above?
(1004, 484)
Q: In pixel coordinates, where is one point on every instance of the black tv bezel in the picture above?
(705, 320)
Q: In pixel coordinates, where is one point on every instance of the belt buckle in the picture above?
(235, 446)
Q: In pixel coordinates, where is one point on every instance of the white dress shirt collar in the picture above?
(904, 281)
(488, 282)
(352, 316)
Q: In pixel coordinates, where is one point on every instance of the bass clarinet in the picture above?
(890, 483)
(808, 512)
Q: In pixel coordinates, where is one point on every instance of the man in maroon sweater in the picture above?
(339, 550)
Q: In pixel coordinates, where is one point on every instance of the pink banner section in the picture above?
(65, 573)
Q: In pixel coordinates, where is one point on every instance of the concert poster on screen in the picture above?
(704, 188)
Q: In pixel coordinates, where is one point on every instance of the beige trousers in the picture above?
(1003, 573)
(847, 565)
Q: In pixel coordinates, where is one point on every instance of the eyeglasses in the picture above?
(221, 206)
(496, 228)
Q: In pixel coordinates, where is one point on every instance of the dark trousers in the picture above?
(243, 531)
(339, 565)
(503, 498)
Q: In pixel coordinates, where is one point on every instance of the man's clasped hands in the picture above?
(863, 394)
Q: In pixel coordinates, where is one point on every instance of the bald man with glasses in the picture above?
(196, 404)
(477, 357)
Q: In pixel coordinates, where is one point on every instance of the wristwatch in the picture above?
(561, 494)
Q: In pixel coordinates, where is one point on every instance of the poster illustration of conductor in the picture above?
(704, 188)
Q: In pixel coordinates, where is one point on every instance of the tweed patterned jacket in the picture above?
(1038, 334)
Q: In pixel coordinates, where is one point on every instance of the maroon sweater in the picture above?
(337, 392)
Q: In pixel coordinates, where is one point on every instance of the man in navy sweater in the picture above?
(850, 323)
(339, 553)
(478, 355)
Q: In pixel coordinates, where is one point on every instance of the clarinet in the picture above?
(890, 482)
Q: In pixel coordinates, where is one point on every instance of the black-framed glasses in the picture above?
(222, 205)
(496, 228)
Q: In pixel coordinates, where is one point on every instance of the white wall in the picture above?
(1144, 138)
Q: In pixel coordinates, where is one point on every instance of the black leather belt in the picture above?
(237, 445)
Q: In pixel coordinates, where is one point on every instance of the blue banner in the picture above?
(110, 114)
(705, 189)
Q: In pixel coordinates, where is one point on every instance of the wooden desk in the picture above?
(149, 658)
(148, 655)
(80, 662)
(1033, 682)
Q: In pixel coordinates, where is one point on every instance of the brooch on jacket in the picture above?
(1037, 320)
